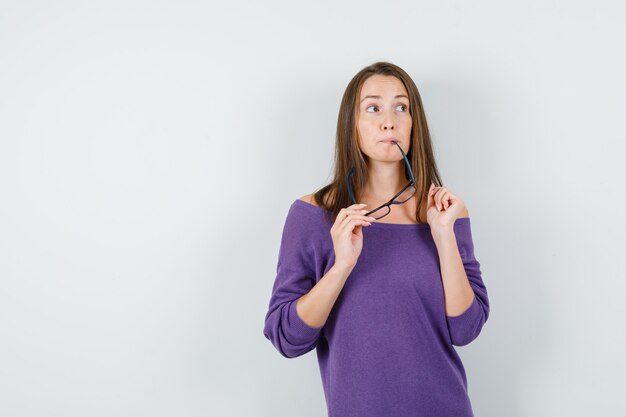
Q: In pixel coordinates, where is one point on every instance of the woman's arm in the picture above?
(315, 306)
(459, 294)
(466, 300)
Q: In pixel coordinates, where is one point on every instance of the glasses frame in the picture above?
(390, 202)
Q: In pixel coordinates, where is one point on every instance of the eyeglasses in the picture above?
(402, 196)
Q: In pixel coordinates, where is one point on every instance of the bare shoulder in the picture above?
(328, 198)
(464, 212)
(309, 198)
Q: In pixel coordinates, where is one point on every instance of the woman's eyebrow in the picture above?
(398, 96)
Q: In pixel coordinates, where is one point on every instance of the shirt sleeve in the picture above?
(295, 276)
(466, 327)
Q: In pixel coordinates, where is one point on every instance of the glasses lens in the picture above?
(380, 213)
(406, 195)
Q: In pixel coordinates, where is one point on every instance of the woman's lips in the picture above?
(389, 141)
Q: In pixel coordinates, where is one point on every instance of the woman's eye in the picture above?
(399, 105)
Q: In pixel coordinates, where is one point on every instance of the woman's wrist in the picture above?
(342, 270)
(441, 233)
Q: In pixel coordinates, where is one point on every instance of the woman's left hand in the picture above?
(443, 207)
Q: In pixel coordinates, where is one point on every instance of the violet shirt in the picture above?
(387, 347)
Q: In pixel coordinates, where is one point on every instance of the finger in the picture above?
(436, 192)
(344, 212)
(448, 198)
(438, 197)
(431, 199)
(349, 213)
(337, 220)
(350, 227)
(347, 227)
(354, 208)
(358, 206)
(358, 230)
(434, 197)
(362, 217)
(444, 201)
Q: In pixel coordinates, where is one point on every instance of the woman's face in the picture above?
(384, 114)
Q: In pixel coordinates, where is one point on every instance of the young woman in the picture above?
(376, 270)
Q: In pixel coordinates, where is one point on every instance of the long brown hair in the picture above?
(334, 196)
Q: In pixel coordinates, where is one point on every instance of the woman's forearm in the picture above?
(315, 306)
(459, 294)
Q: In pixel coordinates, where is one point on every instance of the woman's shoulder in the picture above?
(308, 205)
(307, 225)
(307, 210)
(310, 198)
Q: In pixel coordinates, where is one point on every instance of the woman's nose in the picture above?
(387, 122)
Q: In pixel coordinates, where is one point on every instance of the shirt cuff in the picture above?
(468, 317)
(301, 331)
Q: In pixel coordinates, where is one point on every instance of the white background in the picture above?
(149, 152)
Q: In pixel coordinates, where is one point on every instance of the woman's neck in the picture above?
(384, 181)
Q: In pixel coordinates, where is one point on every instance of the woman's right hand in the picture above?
(348, 236)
